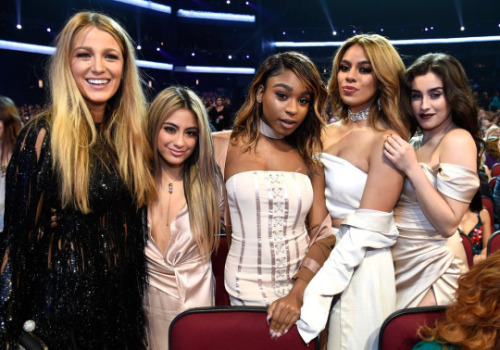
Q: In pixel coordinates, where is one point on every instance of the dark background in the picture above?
(249, 43)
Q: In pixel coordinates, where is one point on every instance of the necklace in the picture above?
(361, 115)
(170, 190)
(267, 131)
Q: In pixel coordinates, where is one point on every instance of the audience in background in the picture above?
(10, 126)
(476, 224)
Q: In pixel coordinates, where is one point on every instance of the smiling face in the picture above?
(285, 102)
(428, 101)
(356, 79)
(97, 67)
(177, 138)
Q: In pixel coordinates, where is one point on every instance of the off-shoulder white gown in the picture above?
(360, 266)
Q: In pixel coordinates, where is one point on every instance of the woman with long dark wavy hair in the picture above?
(441, 168)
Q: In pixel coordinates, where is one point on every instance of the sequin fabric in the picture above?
(82, 281)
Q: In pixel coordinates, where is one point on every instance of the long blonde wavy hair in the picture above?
(202, 177)
(389, 70)
(74, 131)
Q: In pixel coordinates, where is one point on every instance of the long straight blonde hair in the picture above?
(202, 177)
(74, 131)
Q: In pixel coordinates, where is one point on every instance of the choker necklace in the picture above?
(361, 115)
(267, 131)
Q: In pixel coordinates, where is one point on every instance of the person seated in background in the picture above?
(10, 126)
(220, 115)
(491, 152)
(473, 319)
(476, 224)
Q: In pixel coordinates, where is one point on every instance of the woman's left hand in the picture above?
(400, 153)
(283, 313)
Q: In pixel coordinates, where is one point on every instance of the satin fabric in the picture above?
(360, 266)
(269, 238)
(423, 258)
(179, 279)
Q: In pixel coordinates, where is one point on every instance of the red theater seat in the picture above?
(399, 330)
(224, 328)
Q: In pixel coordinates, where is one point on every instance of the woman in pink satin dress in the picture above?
(184, 219)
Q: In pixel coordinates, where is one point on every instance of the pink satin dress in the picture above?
(179, 279)
(423, 258)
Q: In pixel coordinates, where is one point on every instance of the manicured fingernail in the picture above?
(271, 332)
(285, 332)
(279, 334)
(268, 318)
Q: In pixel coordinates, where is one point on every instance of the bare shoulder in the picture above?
(458, 147)
(484, 214)
(457, 135)
(378, 137)
(330, 133)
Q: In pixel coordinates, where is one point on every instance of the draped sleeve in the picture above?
(364, 229)
(457, 182)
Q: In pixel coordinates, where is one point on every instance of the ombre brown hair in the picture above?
(202, 177)
(307, 137)
(388, 69)
(473, 320)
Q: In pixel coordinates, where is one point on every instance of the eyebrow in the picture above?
(359, 63)
(88, 48)
(176, 126)
(430, 90)
(289, 88)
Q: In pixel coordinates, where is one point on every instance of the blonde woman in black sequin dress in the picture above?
(81, 281)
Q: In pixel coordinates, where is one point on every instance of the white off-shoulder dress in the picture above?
(360, 266)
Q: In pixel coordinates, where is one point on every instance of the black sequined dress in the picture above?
(82, 281)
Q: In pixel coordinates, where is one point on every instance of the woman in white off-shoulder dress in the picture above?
(362, 188)
(441, 180)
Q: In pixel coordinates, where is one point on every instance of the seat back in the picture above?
(467, 243)
(495, 169)
(494, 242)
(218, 265)
(219, 328)
(399, 330)
(492, 182)
(488, 205)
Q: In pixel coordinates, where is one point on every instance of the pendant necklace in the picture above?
(170, 190)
